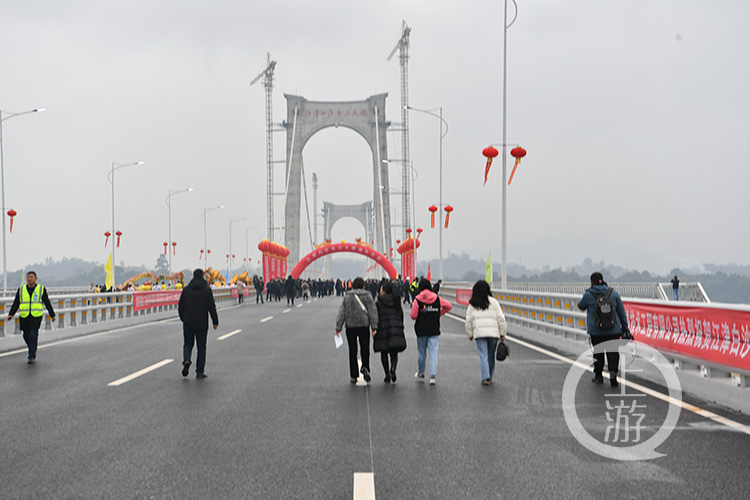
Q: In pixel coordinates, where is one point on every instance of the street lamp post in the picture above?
(413, 176)
(111, 177)
(440, 204)
(232, 221)
(205, 240)
(2, 186)
(169, 204)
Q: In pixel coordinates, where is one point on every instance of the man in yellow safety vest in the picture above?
(30, 302)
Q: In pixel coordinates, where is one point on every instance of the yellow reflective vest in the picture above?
(31, 304)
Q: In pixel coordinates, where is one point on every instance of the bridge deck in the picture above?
(278, 418)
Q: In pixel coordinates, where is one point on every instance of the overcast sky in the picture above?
(635, 116)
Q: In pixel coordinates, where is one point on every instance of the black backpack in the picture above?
(604, 311)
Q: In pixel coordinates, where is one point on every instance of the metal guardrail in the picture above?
(557, 315)
(82, 308)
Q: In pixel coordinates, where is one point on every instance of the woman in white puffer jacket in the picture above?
(485, 323)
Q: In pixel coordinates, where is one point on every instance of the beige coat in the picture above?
(486, 323)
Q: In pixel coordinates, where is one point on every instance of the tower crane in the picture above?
(403, 47)
(267, 75)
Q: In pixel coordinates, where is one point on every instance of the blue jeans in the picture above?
(193, 336)
(425, 344)
(676, 293)
(486, 348)
(31, 337)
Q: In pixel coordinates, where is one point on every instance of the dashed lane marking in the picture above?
(658, 395)
(364, 486)
(268, 318)
(229, 335)
(285, 311)
(300, 305)
(139, 373)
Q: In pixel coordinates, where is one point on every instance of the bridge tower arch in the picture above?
(305, 119)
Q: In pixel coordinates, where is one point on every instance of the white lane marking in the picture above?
(268, 318)
(286, 311)
(229, 335)
(364, 486)
(658, 395)
(300, 305)
(139, 373)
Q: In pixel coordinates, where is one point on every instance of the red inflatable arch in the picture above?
(344, 247)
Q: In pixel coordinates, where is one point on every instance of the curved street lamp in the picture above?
(2, 184)
(111, 178)
(440, 204)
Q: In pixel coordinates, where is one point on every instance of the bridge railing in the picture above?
(554, 319)
(80, 308)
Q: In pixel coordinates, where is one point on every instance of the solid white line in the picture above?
(229, 335)
(658, 395)
(269, 318)
(286, 310)
(139, 373)
(364, 486)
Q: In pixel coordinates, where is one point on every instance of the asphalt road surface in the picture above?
(277, 418)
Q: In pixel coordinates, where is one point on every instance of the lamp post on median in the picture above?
(205, 240)
(111, 178)
(232, 221)
(169, 204)
(440, 204)
(2, 185)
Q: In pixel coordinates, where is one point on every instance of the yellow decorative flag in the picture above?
(488, 269)
(109, 283)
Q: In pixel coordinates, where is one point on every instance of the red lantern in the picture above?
(118, 233)
(208, 251)
(448, 209)
(174, 248)
(490, 153)
(107, 234)
(419, 232)
(12, 213)
(165, 247)
(517, 153)
(201, 254)
(432, 210)
(227, 258)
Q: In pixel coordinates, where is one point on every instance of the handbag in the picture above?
(502, 351)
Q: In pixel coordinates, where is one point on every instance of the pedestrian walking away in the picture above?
(241, 292)
(194, 308)
(30, 302)
(605, 320)
(485, 324)
(426, 310)
(359, 313)
(389, 339)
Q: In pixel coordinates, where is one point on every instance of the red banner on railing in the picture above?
(147, 300)
(235, 293)
(716, 335)
(462, 296)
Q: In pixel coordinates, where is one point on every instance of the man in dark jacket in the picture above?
(196, 304)
(31, 299)
(291, 289)
(598, 335)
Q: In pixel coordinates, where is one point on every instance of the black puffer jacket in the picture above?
(390, 336)
(196, 303)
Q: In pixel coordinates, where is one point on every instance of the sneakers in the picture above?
(613, 381)
(598, 379)
(201, 375)
(486, 381)
(354, 380)
(30, 360)
(419, 376)
(393, 375)
(432, 380)
(366, 374)
(387, 379)
(185, 368)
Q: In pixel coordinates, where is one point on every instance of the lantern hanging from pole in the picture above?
(448, 209)
(490, 153)
(208, 251)
(12, 213)
(174, 248)
(165, 247)
(107, 234)
(432, 210)
(118, 233)
(227, 258)
(201, 254)
(419, 232)
(518, 152)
